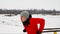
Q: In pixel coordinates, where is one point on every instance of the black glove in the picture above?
(24, 30)
(38, 32)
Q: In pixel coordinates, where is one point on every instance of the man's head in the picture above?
(24, 16)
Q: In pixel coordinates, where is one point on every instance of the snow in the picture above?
(13, 24)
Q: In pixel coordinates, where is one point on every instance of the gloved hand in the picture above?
(24, 30)
(38, 32)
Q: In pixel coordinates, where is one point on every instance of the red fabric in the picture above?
(32, 27)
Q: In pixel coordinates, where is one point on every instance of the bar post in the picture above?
(55, 32)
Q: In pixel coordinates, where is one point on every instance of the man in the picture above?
(30, 24)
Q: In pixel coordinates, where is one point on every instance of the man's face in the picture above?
(23, 18)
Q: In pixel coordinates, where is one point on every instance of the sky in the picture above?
(30, 4)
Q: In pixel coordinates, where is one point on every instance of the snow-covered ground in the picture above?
(14, 25)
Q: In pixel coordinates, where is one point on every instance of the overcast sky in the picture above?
(31, 4)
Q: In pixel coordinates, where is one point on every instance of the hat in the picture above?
(25, 14)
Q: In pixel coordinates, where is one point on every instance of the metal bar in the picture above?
(51, 28)
(51, 31)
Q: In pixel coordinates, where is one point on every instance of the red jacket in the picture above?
(32, 27)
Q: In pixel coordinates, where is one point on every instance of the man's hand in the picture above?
(24, 30)
(38, 32)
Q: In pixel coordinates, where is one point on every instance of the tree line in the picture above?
(31, 11)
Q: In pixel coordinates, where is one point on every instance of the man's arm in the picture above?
(42, 24)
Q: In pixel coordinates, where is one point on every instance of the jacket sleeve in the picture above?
(24, 30)
(42, 24)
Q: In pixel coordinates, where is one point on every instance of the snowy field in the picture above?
(13, 25)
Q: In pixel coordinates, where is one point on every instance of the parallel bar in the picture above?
(51, 31)
(51, 28)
